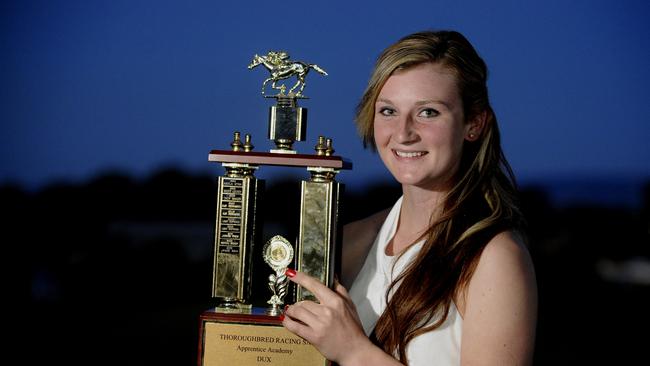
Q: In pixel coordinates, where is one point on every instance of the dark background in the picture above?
(118, 271)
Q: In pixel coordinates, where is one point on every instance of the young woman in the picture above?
(443, 278)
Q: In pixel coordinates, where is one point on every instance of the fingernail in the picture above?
(290, 272)
(286, 307)
(281, 317)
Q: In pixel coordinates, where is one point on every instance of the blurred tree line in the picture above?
(117, 271)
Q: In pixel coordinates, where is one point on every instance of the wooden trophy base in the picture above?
(252, 337)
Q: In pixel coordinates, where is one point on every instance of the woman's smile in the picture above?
(409, 154)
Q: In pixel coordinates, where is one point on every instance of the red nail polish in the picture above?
(281, 317)
(290, 272)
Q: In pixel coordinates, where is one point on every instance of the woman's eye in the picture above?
(428, 113)
(385, 111)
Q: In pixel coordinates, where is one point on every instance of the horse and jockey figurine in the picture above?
(281, 68)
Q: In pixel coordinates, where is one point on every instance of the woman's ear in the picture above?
(475, 127)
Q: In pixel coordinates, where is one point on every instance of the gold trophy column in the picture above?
(318, 245)
(236, 231)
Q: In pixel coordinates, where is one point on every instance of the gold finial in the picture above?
(329, 149)
(236, 142)
(321, 148)
(248, 147)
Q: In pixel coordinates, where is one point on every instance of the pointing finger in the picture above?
(322, 292)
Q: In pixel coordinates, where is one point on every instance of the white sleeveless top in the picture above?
(438, 347)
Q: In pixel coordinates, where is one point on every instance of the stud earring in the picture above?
(472, 135)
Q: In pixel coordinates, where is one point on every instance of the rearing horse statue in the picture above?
(281, 68)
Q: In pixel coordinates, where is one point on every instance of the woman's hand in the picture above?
(333, 326)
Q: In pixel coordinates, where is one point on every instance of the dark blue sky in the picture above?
(91, 86)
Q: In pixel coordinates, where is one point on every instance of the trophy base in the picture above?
(252, 337)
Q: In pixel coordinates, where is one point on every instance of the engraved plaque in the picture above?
(234, 239)
(252, 338)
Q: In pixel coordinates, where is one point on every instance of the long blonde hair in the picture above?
(481, 203)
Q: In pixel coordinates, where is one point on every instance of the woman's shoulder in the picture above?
(362, 233)
(507, 255)
(358, 237)
(505, 264)
(506, 246)
(505, 261)
(370, 223)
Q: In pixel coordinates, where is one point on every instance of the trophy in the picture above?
(236, 332)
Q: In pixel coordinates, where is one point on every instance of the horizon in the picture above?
(561, 191)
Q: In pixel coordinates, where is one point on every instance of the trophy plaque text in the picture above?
(252, 338)
(236, 331)
(236, 231)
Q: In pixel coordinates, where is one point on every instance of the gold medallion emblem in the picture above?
(278, 253)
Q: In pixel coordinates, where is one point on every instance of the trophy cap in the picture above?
(280, 68)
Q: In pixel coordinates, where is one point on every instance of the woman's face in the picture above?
(419, 126)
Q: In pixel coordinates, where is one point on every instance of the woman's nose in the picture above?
(405, 132)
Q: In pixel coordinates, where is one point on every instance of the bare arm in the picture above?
(358, 237)
(500, 306)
